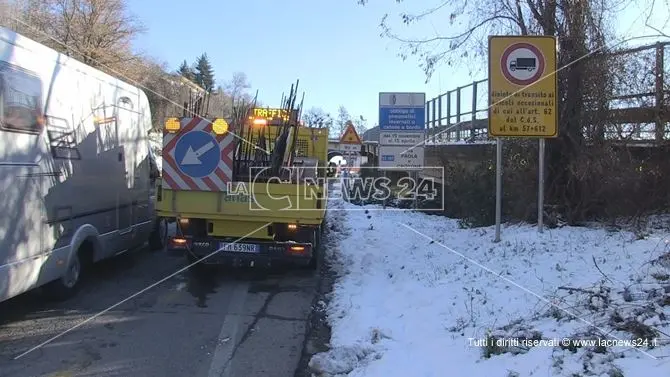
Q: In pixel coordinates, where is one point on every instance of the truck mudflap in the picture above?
(253, 253)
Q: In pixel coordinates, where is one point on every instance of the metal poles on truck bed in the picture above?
(266, 145)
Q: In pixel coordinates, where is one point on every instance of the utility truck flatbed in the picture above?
(249, 193)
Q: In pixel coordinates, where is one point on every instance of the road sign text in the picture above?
(401, 156)
(522, 87)
(408, 118)
(401, 138)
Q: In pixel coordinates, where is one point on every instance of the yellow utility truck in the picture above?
(248, 193)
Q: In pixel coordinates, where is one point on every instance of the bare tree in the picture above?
(582, 29)
(237, 92)
(317, 117)
(100, 33)
(343, 117)
(361, 125)
(662, 9)
(28, 17)
(220, 103)
(237, 87)
(6, 13)
(97, 32)
(101, 30)
(165, 93)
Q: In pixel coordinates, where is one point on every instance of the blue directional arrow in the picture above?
(197, 153)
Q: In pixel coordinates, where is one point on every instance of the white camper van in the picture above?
(76, 173)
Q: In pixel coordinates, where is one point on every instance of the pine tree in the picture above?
(204, 73)
(186, 71)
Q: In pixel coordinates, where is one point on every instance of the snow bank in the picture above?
(418, 296)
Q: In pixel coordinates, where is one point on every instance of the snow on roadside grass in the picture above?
(406, 304)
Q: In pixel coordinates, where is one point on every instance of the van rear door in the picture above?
(21, 180)
(21, 226)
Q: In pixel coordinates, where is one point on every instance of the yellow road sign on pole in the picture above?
(522, 86)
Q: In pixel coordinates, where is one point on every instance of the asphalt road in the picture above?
(219, 323)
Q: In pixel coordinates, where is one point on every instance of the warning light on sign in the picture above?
(172, 124)
(260, 122)
(220, 126)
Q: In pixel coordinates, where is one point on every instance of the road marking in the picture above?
(66, 373)
(98, 314)
(228, 337)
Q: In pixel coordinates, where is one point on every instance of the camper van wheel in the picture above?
(67, 285)
(158, 237)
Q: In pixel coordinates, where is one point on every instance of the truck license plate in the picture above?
(240, 247)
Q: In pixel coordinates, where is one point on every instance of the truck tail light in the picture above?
(179, 243)
(297, 250)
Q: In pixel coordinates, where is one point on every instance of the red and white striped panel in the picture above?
(174, 178)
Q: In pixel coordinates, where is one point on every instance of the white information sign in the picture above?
(401, 138)
(401, 156)
(402, 99)
(402, 125)
(346, 148)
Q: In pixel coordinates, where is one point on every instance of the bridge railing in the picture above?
(451, 115)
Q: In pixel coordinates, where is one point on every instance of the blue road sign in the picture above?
(197, 153)
(402, 119)
(402, 111)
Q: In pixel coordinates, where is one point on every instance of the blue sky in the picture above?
(332, 46)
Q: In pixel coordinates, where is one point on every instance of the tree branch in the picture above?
(466, 34)
(536, 13)
(647, 24)
(519, 15)
(407, 18)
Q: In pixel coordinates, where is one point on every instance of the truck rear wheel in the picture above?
(158, 237)
(316, 252)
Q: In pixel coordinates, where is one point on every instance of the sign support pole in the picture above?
(416, 190)
(540, 190)
(516, 63)
(384, 201)
(498, 187)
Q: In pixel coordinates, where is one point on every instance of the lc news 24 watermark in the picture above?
(262, 192)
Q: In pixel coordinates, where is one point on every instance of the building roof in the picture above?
(371, 135)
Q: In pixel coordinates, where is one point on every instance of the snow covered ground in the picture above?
(418, 296)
